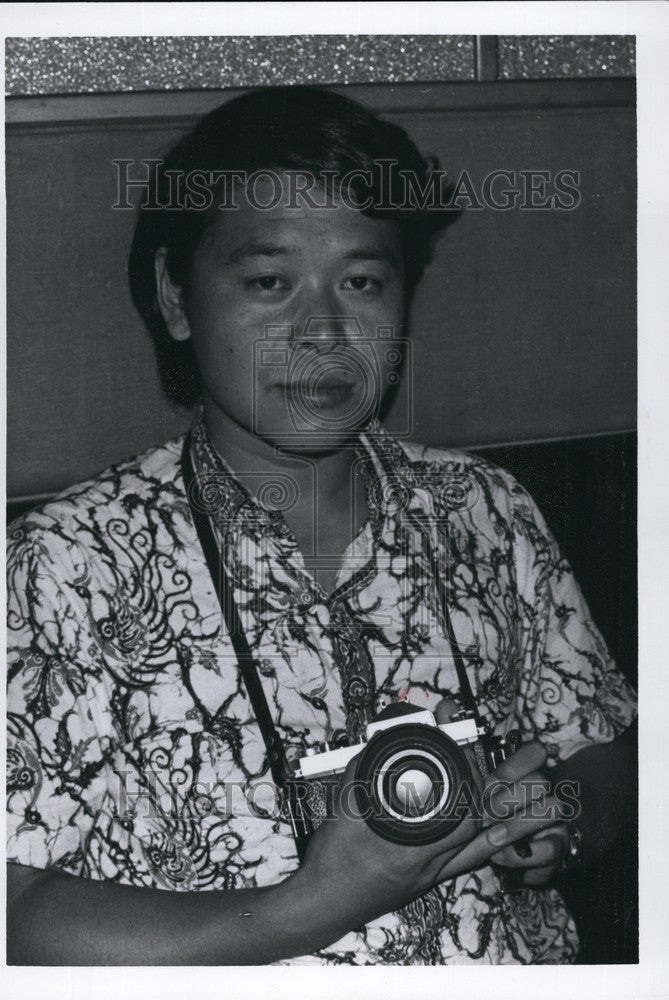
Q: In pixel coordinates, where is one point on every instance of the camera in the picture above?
(334, 376)
(412, 782)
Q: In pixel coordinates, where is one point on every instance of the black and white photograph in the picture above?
(321, 480)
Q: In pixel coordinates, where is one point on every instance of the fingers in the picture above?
(501, 799)
(548, 847)
(529, 757)
(522, 826)
(539, 875)
(493, 841)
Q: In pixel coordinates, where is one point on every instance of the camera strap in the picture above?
(467, 697)
(466, 694)
(272, 740)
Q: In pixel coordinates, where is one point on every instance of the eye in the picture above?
(267, 283)
(362, 283)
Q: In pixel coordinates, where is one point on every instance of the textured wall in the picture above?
(37, 66)
(531, 57)
(95, 65)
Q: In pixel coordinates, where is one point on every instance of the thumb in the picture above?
(445, 709)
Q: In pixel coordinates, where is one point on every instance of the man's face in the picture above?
(284, 308)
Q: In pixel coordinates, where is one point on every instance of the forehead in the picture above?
(273, 210)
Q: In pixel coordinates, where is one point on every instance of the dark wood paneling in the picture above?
(523, 329)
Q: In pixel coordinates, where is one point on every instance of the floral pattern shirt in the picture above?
(134, 754)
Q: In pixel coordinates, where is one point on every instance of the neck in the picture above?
(328, 473)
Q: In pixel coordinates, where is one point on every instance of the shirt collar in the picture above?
(390, 480)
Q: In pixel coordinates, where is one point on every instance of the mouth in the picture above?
(325, 393)
(317, 384)
(333, 391)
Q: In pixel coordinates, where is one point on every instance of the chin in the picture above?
(313, 443)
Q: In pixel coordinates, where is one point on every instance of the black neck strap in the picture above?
(467, 698)
(210, 548)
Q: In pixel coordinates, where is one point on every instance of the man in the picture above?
(357, 570)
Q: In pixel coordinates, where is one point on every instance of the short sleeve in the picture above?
(56, 769)
(571, 693)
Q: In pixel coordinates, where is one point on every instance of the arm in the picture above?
(58, 919)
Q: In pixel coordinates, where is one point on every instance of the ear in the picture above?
(170, 299)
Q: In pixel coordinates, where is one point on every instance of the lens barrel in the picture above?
(411, 784)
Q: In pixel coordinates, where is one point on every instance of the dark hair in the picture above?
(284, 128)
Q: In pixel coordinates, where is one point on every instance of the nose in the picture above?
(323, 319)
(324, 331)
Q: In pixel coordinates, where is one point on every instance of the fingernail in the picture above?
(498, 834)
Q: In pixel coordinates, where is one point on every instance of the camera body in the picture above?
(413, 782)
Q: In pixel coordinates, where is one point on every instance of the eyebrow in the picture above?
(255, 248)
(372, 253)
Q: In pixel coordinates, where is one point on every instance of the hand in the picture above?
(514, 791)
(516, 796)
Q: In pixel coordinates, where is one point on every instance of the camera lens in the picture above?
(412, 785)
(413, 789)
(409, 784)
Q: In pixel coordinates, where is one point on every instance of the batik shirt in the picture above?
(134, 753)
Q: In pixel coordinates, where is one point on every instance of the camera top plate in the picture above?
(315, 764)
